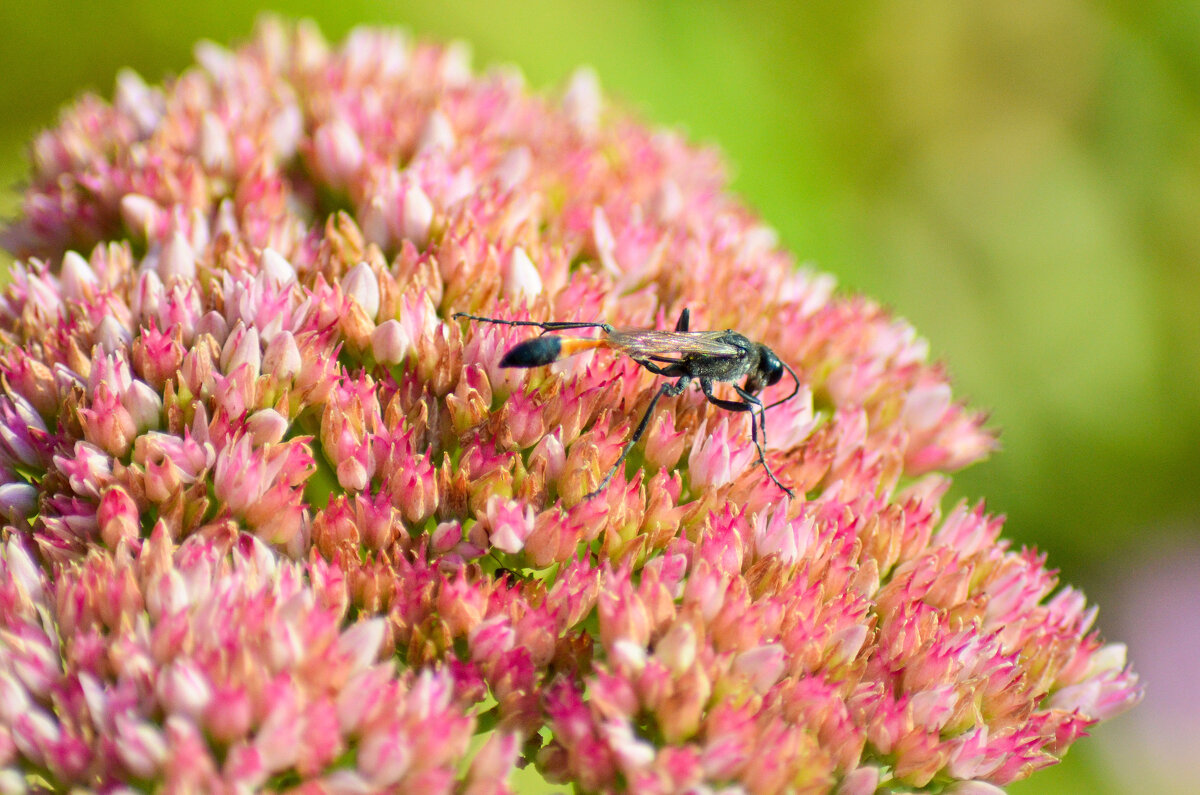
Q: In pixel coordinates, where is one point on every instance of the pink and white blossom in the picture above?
(274, 520)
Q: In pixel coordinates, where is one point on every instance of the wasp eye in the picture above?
(771, 366)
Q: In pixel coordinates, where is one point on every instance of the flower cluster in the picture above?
(274, 520)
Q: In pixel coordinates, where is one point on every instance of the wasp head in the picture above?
(768, 370)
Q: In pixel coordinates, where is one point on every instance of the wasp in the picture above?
(703, 356)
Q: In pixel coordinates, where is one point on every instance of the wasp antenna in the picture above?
(795, 391)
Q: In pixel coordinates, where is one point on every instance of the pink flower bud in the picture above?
(228, 716)
(514, 168)
(35, 734)
(549, 456)
(184, 689)
(664, 443)
(14, 698)
(792, 422)
(860, 781)
(973, 788)
(144, 405)
(390, 343)
(79, 281)
(20, 569)
(32, 659)
(667, 202)
(493, 763)
(677, 649)
(604, 242)
(775, 534)
(112, 336)
(282, 357)
(141, 215)
(361, 642)
(361, 285)
(384, 756)
(509, 524)
(178, 260)
(491, 638)
(267, 426)
(632, 753)
(762, 665)
(107, 424)
(213, 324)
(140, 745)
(216, 150)
(521, 278)
(436, 134)
(582, 101)
(277, 269)
(244, 764)
(415, 489)
(461, 604)
(242, 348)
(135, 98)
(522, 421)
(338, 152)
(18, 501)
(278, 737)
(717, 458)
(446, 536)
(118, 517)
(416, 215)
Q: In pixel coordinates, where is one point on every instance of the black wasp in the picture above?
(705, 356)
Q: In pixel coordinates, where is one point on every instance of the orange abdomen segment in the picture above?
(574, 345)
(546, 349)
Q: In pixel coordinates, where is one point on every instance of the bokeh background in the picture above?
(1021, 180)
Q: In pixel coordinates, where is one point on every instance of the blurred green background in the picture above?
(1021, 180)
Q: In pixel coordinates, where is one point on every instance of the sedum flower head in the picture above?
(273, 520)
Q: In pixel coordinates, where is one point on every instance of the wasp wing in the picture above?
(672, 346)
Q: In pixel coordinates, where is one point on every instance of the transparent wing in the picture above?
(671, 346)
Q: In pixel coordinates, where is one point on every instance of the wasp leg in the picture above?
(684, 318)
(762, 413)
(750, 402)
(666, 389)
(670, 371)
(762, 421)
(544, 326)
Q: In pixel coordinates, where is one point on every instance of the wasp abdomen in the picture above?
(534, 353)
